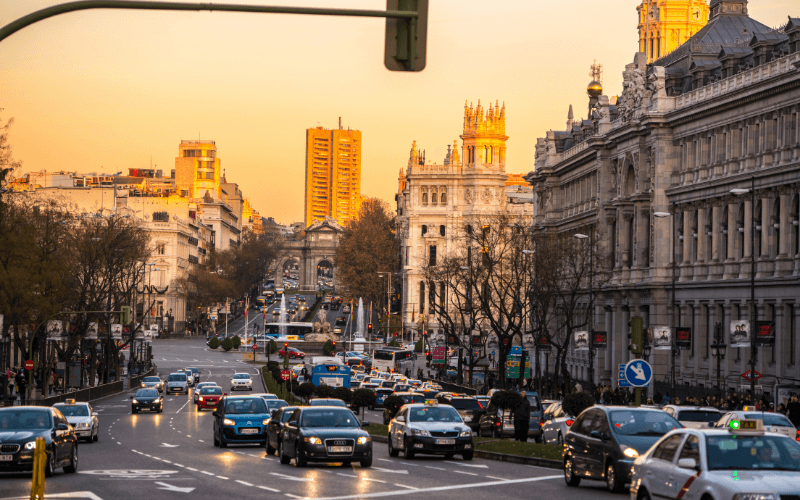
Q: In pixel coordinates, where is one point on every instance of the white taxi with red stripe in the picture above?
(740, 462)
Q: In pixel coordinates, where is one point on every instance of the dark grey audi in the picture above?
(324, 434)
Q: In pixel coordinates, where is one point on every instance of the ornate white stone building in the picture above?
(719, 113)
(435, 200)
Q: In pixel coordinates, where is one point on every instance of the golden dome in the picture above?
(595, 89)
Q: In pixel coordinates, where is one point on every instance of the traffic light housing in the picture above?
(285, 345)
(333, 346)
(125, 315)
(369, 328)
(406, 38)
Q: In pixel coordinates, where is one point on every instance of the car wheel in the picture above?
(569, 473)
(408, 451)
(299, 459)
(50, 466)
(367, 462)
(467, 455)
(73, 461)
(612, 482)
(560, 440)
(270, 449)
(644, 495)
(222, 442)
(392, 451)
(282, 454)
(134, 411)
(216, 441)
(495, 433)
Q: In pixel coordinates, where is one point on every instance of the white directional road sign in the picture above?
(638, 373)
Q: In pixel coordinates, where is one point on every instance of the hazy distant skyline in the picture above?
(106, 90)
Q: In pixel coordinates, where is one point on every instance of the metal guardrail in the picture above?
(83, 395)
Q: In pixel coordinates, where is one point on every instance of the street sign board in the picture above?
(683, 337)
(747, 375)
(255, 346)
(286, 375)
(29, 365)
(512, 366)
(638, 373)
(621, 380)
(516, 350)
(439, 354)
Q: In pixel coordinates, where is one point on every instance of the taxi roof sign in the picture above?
(746, 425)
(69, 401)
(431, 402)
(749, 408)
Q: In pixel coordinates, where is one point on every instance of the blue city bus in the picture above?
(331, 374)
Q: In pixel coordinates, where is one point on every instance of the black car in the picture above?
(280, 417)
(19, 428)
(147, 399)
(604, 441)
(273, 405)
(324, 434)
(469, 409)
(340, 321)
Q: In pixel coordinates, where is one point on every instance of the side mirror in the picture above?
(216, 413)
(62, 427)
(687, 463)
(364, 424)
(712, 424)
(401, 418)
(95, 415)
(598, 435)
(131, 397)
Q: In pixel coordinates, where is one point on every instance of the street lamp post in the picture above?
(753, 312)
(591, 305)
(718, 351)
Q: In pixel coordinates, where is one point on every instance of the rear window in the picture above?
(698, 416)
(276, 403)
(465, 404)
(770, 419)
(384, 391)
(414, 398)
(211, 390)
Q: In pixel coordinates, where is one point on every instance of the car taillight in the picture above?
(541, 424)
(569, 423)
(797, 436)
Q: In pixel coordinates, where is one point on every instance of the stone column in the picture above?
(779, 335)
(731, 263)
(715, 269)
(726, 321)
(701, 267)
(765, 264)
(687, 238)
(748, 219)
(609, 372)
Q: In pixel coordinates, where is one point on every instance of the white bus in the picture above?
(292, 329)
(393, 360)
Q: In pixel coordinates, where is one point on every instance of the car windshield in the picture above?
(384, 355)
(146, 393)
(177, 377)
(327, 402)
(194, 370)
(466, 404)
(211, 391)
(74, 410)
(434, 414)
(152, 379)
(777, 420)
(245, 406)
(24, 419)
(330, 417)
(273, 404)
(642, 423)
(241, 376)
(698, 416)
(736, 452)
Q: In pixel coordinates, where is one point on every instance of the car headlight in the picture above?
(363, 440)
(418, 432)
(134, 401)
(30, 445)
(265, 422)
(466, 434)
(629, 452)
(85, 424)
(754, 496)
(158, 401)
(312, 440)
(144, 385)
(228, 421)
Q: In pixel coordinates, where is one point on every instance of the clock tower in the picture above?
(664, 25)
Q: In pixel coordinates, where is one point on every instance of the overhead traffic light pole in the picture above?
(406, 21)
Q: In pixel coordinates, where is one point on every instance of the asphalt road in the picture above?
(171, 455)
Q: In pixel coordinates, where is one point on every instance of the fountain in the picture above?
(284, 318)
(360, 324)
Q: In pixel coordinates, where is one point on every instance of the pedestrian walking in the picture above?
(522, 419)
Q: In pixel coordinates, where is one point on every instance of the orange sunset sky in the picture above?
(104, 91)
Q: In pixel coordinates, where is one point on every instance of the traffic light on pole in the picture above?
(125, 315)
(333, 346)
(406, 38)
(369, 328)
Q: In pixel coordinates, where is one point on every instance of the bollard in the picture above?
(39, 459)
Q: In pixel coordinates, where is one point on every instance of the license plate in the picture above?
(445, 441)
(6, 458)
(340, 449)
(249, 431)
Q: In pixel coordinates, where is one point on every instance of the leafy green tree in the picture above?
(227, 344)
(324, 391)
(213, 343)
(363, 398)
(305, 390)
(343, 393)
(327, 348)
(236, 341)
(393, 404)
(507, 400)
(576, 402)
(394, 343)
(418, 347)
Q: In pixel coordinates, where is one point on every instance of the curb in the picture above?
(500, 457)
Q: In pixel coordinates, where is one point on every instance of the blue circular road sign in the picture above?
(638, 373)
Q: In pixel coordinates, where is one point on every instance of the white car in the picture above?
(200, 386)
(740, 462)
(694, 417)
(241, 381)
(773, 422)
(82, 418)
(556, 427)
(431, 429)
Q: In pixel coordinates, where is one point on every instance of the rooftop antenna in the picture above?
(596, 72)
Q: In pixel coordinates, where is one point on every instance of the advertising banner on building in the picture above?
(600, 340)
(581, 341)
(1, 326)
(683, 338)
(740, 333)
(116, 331)
(662, 338)
(55, 329)
(91, 332)
(765, 332)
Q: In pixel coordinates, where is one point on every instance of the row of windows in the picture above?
(194, 153)
(437, 195)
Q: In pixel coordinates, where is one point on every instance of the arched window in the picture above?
(424, 229)
(443, 195)
(434, 196)
(442, 230)
(630, 182)
(424, 192)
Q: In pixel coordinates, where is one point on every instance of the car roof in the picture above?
(694, 408)
(242, 373)
(72, 404)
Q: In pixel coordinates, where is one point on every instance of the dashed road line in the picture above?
(223, 477)
(465, 472)
(435, 468)
(269, 489)
(244, 482)
(406, 486)
(498, 478)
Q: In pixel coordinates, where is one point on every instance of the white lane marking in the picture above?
(412, 465)
(119, 443)
(392, 471)
(441, 488)
(291, 478)
(244, 482)
(178, 465)
(165, 445)
(206, 473)
(498, 478)
(345, 475)
(170, 487)
(292, 496)
(166, 461)
(406, 486)
(467, 465)
(465, 472)
(436, 468)
(201, 440)
(374, 480)
(188, 436)
(191, 469)
(222, 477)
(269, 489)
(385, 460)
